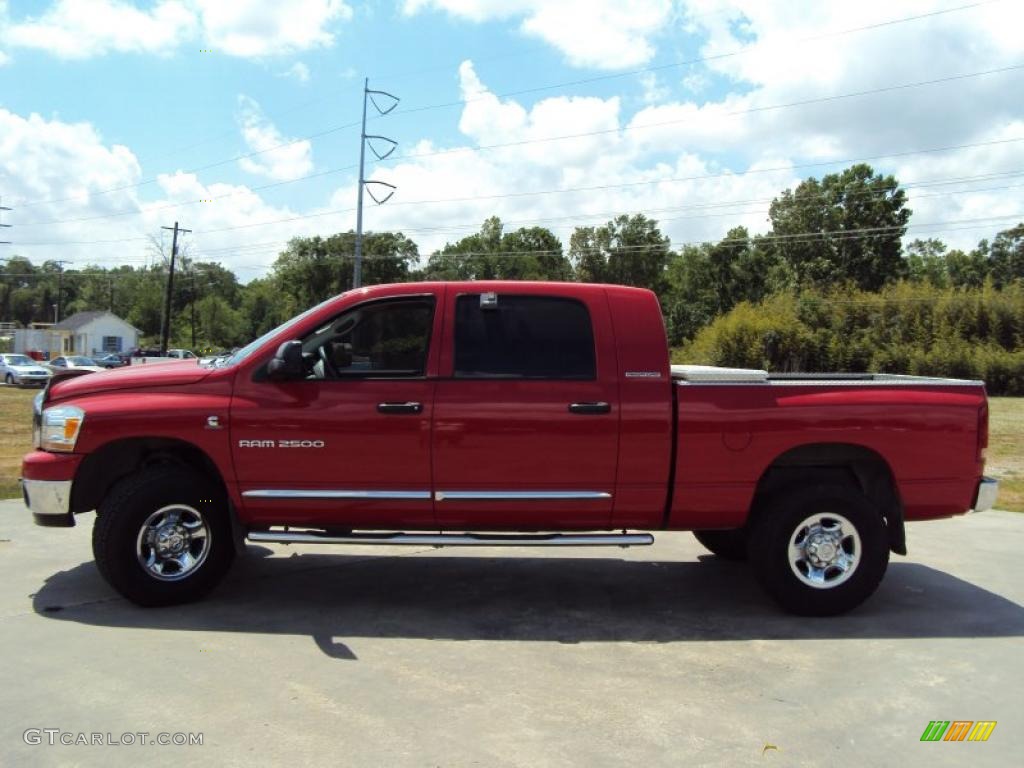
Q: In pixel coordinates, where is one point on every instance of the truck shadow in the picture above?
(338, 598)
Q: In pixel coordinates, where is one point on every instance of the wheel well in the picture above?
(102, 468)
(838, 463)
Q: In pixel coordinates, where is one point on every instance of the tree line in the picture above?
(835, 239)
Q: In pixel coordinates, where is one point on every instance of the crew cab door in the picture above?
(349, 445)
(526, 411)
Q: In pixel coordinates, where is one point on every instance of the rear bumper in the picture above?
(985, 497)
(46, 480)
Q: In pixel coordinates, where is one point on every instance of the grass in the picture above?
(1005, 450)
(16, 419)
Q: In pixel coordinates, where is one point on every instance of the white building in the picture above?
(96, 333)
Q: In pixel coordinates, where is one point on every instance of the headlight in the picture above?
(60, 428)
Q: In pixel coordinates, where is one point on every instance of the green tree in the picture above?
(312, 269)
(847, 227)
(926, 262)
(1006, 257)
(532, 253)
(628, 250)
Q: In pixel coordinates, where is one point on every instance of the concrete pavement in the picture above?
(418, 657)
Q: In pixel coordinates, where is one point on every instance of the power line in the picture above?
(576, 218)
(699, 60)
(734, 113)
(523, 142)
(552, 86)
(788, 168)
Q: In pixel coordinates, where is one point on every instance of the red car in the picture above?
(500, 413)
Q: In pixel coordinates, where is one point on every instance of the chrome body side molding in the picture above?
(520, 495)
(338, 495)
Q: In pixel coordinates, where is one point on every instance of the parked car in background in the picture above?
(110, 360)
(74, 362)
(22, 370)
(181, 354)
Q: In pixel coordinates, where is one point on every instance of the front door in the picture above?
(348, 446)
(526, 412)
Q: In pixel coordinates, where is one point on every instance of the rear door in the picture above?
(526, 411)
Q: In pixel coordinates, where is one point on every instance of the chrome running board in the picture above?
(458, 539)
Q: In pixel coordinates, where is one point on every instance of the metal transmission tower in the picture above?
(2, 225)
(364, 140)
(165, 330)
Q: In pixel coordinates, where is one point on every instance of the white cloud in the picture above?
(297, 71)
(259, 28)
(290, 160)
(653, 90)
(603, 34)
(77, 29)
(59, 177)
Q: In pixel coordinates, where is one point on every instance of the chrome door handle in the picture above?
(590, 408)
(408, 407)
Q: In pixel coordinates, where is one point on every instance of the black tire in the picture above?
(777, 524)
(726, 544)
(124, 512)
(9, 379)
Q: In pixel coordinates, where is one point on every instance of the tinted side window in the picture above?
(386, 339)
(523, 337)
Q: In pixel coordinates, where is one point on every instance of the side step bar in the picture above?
(458, 539)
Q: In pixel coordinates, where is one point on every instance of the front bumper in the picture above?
(985, 497)
(46, 480)
(30, 380)
(49, 501)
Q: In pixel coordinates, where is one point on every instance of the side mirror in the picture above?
(287, 363)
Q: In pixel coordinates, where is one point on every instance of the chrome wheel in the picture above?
(173, 542)
(824, 550)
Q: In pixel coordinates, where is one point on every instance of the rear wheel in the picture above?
(819, 551)
(162, 536)
(727, 544)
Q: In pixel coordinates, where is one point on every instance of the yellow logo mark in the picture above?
(982, 730)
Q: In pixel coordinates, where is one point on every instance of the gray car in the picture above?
(23, 371)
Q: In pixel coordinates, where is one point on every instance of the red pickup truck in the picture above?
(496, 414)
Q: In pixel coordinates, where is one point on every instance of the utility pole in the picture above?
(60, 290)
(364, 139)
(2, 225)
(165, 326)
(110, 287)
(192, 306)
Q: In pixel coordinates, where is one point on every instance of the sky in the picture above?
(240, 120)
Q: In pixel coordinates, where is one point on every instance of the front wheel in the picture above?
(162, 536)
(819, 551)
(9, 379)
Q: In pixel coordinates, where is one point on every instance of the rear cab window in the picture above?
(502, 336)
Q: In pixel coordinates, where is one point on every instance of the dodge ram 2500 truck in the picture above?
(496, 414)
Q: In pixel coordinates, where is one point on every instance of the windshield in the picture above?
(81, 361)
(252, 346)
(18, 360)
